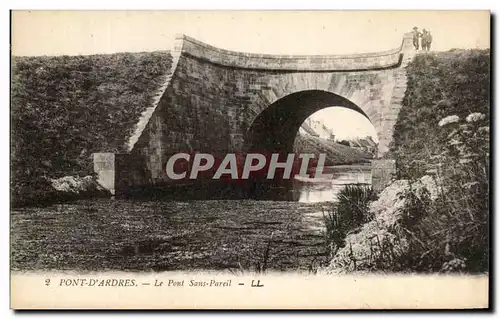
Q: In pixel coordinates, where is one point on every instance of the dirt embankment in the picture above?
(64, 108)
(336, 154)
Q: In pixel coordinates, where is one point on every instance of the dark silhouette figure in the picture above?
(426, 40)
(416, 36)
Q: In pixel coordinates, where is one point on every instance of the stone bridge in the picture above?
(219, 101)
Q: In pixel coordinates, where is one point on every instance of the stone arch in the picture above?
(211, 96)
(274, 129)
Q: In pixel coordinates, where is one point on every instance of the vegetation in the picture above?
(65, 108)
(348, 213)
(436, 219)
(439, 84)
(450, 233)
(104, 234)
(344, 142)
(448, 95)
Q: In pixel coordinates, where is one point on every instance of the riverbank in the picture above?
(106, 234)
(435, 216)
(284, 234)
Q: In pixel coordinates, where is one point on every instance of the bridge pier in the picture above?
(119, 172)
(383, 172)
(105, 168)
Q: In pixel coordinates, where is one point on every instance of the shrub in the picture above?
(450, 233)
(350, 211)
(344, 142)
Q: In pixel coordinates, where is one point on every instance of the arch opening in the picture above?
(275, 128)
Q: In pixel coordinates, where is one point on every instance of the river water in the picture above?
(282, 234)
(315, 191)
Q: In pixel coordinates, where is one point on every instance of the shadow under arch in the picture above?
(275, 128)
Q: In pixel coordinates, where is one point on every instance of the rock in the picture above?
(77, 185)
(380, 240)
(385, 208)
(429, 183)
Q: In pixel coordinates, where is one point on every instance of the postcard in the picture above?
(250, 159)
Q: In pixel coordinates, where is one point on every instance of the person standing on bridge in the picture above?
(427, 39)
(424, 39)
(416, 36)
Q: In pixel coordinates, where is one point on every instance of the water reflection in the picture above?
(314, 191)
(304, 190)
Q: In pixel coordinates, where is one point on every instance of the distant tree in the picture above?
(344, 142)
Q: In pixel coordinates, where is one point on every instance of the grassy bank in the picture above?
(448, 94)
(440, 84)
(435, 218)
(65, 108)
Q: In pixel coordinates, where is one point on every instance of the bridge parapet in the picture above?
(310, 63)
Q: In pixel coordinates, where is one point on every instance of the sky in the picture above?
(272, 32)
